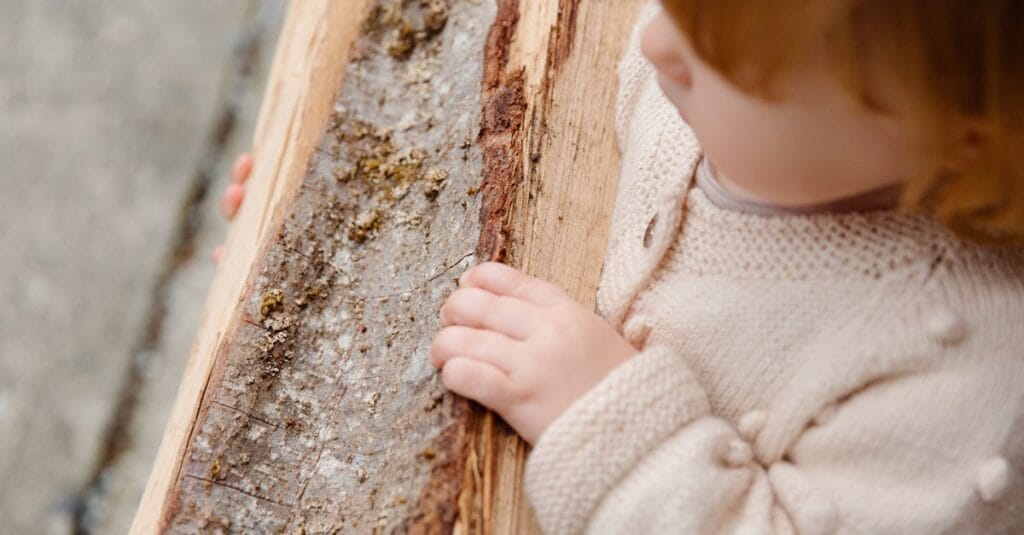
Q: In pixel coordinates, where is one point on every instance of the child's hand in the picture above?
(522, 347)
(231, 199)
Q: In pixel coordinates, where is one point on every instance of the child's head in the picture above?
(802, 101)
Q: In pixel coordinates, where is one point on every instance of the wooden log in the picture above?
(399, 143)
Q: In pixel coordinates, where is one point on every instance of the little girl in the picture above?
(797, 354)
(799, 327)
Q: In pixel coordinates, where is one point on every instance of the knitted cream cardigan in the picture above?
(857, 373)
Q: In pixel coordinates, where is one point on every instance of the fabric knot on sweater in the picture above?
(993, 479)
(751, 424)
(946, 326)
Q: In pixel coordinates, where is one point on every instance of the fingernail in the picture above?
(241, 168)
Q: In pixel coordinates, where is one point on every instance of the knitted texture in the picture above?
(855, 373)
(664, 153)
(614, 434)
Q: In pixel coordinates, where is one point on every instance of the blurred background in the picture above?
(119, 120)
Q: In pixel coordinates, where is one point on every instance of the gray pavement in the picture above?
(118, 120)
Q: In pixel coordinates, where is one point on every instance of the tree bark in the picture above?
(399, 143)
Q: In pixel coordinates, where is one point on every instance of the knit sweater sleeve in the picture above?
(921, 443)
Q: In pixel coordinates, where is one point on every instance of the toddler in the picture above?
(799, 331)
(811, 313)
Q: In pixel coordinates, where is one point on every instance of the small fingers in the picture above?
(231, 200)
(242, 168)
(473, 307)
(487, 346)
(477, 380)
(502, 279)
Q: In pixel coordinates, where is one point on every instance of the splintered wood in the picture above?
(309, 405)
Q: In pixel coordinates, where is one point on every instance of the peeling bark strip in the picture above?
(504, 116)
(501, 130)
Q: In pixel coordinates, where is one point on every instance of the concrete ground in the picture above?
(118, 121)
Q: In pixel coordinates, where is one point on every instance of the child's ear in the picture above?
(660, 44)
(971, 140)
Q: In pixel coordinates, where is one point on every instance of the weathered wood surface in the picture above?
(309, 404)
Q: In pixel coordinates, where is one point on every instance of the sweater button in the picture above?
(945, 326)
(751, 424)
(649, 233)
(735, 453)
(993, 478)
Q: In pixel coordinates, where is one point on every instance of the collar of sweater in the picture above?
(719, 241)
(658, 215)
